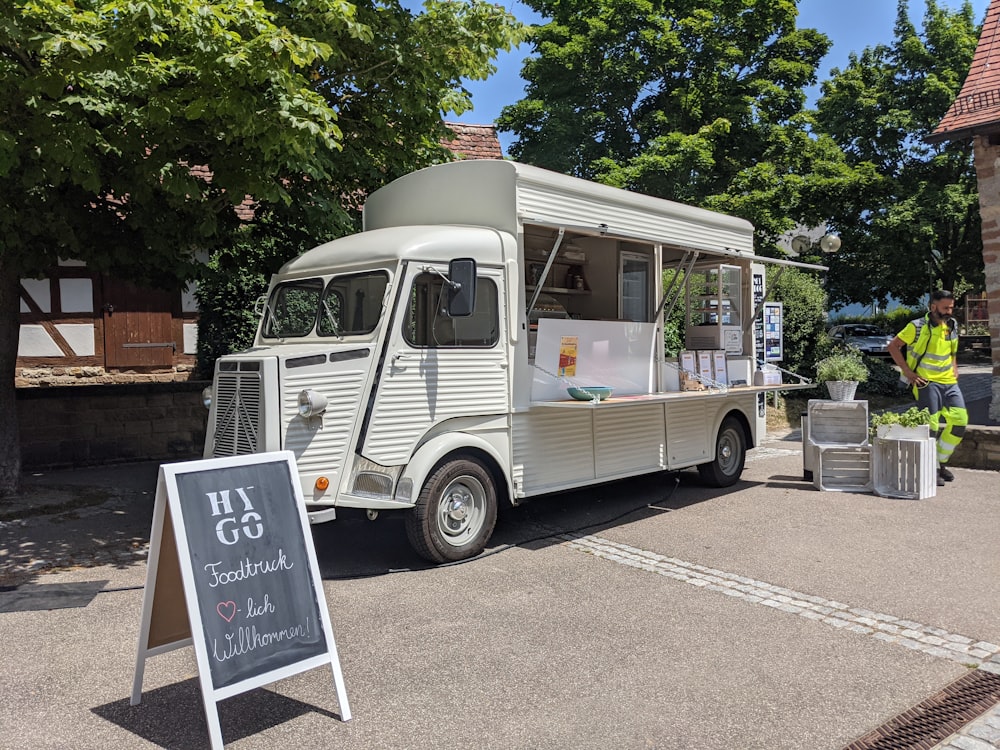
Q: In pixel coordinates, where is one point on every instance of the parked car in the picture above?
(868, 338)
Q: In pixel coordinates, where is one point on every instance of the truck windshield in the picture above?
(349, 305)
(352, 305)
(291, 310)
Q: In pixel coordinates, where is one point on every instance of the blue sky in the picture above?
(852, 25)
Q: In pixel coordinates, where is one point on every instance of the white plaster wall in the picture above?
(190, 338)
(79, 336)
(40, 292)
(76, 295)
(34, 341)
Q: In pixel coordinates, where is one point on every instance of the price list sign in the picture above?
(233, 571)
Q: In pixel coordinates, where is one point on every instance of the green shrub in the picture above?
(883, 378)
(845, 365)
(804, 309)
(235, 278)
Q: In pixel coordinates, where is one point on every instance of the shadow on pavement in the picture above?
(243, 715)
(353, 547)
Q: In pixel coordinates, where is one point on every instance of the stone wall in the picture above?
(64, 375)
(81, 425)
(979, 449)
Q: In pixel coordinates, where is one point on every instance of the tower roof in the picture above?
(976, 110)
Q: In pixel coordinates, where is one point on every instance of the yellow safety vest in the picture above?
(931, 349)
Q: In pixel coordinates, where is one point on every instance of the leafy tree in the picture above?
(695, 100)
(804, 312)
(907, 211)
(109, 105)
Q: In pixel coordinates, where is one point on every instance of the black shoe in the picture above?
(946, 475)
(940, 480)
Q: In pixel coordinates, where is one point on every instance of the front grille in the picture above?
(237, 412)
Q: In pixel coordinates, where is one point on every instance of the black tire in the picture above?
(730, 455)
(455, 512)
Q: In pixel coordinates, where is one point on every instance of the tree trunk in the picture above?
(10, 444)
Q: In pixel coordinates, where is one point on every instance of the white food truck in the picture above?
(425, 364)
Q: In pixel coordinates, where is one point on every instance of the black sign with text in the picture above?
(251, 570)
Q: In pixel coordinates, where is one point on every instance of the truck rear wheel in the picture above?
(730, 455)
(455, 512)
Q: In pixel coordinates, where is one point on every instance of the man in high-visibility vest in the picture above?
(931, 367)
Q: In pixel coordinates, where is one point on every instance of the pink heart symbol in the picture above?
(226, 610)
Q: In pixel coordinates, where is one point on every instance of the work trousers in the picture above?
(948, 416)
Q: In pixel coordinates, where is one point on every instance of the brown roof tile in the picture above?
(977, 108)
(474, 141)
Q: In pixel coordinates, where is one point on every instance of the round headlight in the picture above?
(311, 403)
(206, 397)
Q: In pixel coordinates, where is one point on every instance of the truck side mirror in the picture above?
(462, 287)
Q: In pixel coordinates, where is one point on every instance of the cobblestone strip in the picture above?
(894, 630)
(981, 734)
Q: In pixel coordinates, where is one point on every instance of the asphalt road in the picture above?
(653, 613)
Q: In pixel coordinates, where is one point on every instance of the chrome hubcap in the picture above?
(462, 510)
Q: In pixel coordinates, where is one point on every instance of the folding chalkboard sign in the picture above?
(232, 570)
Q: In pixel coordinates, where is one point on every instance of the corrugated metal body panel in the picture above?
(553, 449)
(501, 194)
(630, 439)
(429, 387)
(631, 214)
(688, 438)
(322, 443)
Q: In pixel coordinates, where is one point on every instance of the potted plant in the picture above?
(912, 424)
(842, 371)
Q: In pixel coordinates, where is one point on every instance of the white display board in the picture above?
(615, 353)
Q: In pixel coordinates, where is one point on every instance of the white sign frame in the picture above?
(168, 515)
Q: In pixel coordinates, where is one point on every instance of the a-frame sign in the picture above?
(232, 570)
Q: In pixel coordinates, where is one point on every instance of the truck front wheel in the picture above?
(455, 512)
(730, 455)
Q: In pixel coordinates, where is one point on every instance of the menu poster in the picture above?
(569, 347)
(773, 331)
(720, 368)
(687, 359)
(705, 365)
(231, 548)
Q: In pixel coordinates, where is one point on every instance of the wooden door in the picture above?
(137, 325)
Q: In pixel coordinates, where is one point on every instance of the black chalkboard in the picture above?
(251, 570)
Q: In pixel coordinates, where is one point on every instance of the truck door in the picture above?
(437, 367)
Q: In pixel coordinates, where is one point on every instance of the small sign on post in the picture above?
(232, 570)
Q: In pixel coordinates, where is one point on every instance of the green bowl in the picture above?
(588, 393)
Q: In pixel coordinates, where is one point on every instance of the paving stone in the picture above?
(970, 743)
(985, 732)
(958, 638)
